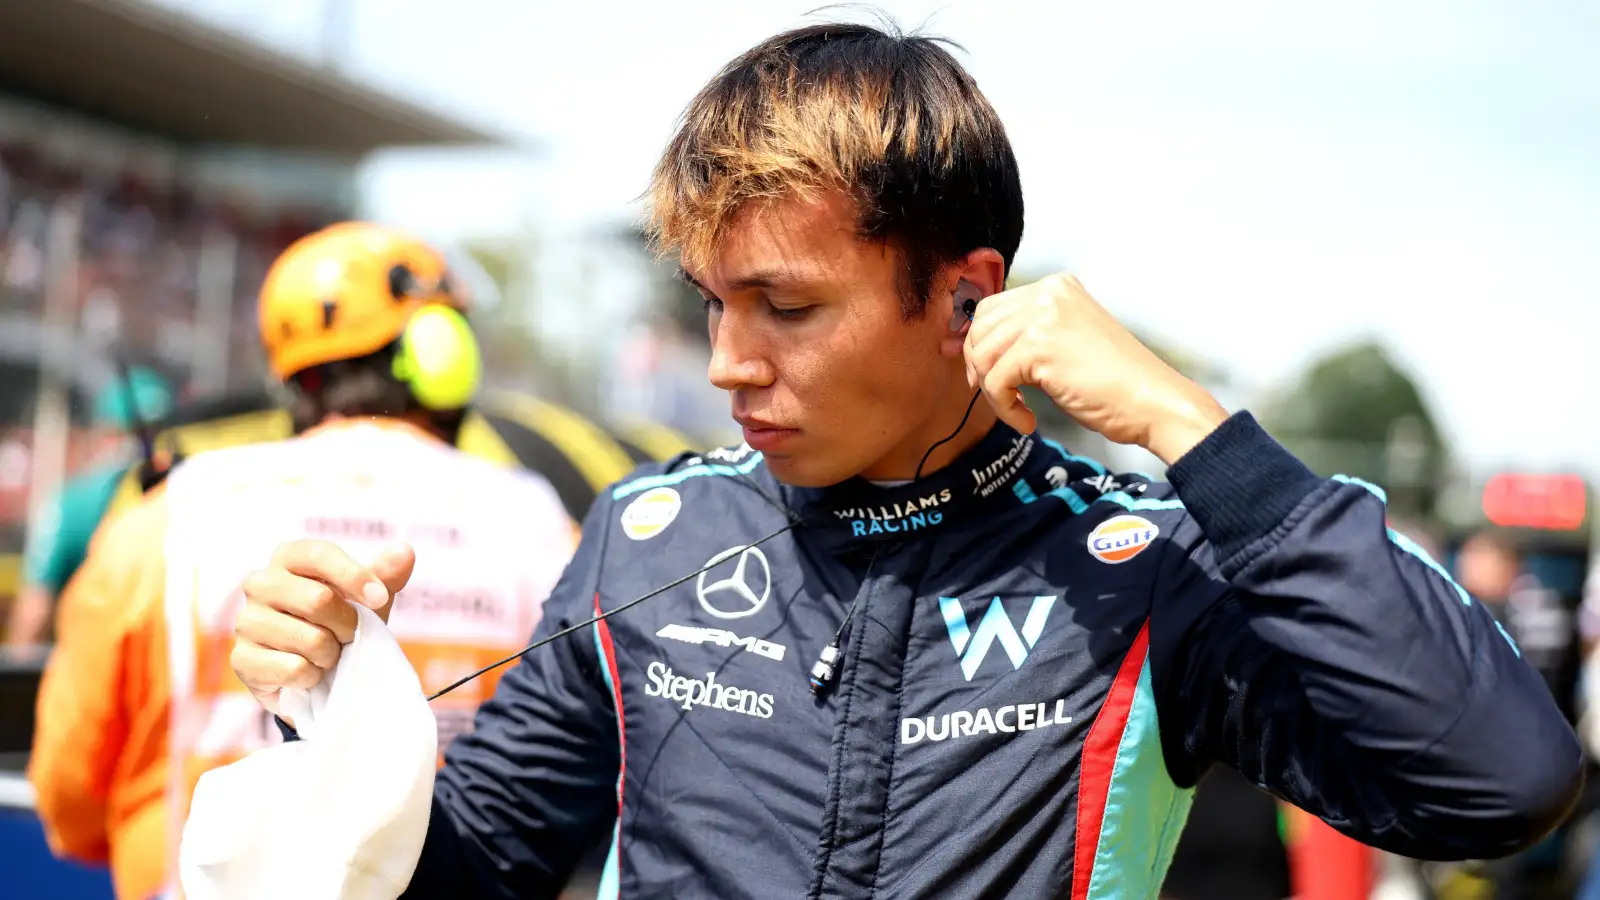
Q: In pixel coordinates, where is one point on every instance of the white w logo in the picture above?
(972, 647)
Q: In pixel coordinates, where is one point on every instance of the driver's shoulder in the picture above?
(690, 474)
(707, 486)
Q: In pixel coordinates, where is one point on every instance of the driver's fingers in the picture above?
(264, 669)
(984, 347)
(276, 630)
(1002, 386)
(302, 598)
(394, 567)
(329, 564)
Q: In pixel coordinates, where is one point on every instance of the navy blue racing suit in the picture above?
(1042, 660)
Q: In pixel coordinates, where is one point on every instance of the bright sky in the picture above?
(1254, 181)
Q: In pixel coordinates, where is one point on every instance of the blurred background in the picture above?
(1373, 223)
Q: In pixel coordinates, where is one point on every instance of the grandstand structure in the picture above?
(151, 166)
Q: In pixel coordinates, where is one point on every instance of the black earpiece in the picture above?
(966, 302)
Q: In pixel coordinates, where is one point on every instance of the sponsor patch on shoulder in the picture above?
(650, 513)
(1121, 538)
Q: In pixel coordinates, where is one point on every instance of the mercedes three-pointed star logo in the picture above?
(742, 592)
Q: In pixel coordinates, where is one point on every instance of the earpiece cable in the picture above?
(605, 615)
(950, 437)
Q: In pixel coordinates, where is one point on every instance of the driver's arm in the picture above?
(1299, 640)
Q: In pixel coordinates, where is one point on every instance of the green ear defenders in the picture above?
(437, 357)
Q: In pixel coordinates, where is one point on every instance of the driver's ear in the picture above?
(973, 277)
(983, 268)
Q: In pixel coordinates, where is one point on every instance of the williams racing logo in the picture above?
(972, 645)
(893, 518)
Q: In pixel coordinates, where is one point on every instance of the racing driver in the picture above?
(920, 667)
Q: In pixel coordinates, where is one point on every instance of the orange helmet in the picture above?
(345, 292)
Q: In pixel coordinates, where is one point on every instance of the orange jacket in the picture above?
(99, 760)
(101, 765)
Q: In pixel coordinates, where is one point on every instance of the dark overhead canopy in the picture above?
(160, 72)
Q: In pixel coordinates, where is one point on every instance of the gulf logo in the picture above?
(1121, 538)
(650, 513)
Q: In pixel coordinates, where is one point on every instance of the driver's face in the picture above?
(808, 338)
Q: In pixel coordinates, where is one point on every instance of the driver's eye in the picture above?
(790, 314)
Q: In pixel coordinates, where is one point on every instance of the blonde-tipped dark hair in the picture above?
(890, 119)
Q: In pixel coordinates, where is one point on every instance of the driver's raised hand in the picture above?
(297, 615)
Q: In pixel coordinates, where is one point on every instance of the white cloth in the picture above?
(340, 814)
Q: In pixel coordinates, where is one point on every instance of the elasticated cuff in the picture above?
(1240, 484)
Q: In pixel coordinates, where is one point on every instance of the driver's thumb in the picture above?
(393, 566)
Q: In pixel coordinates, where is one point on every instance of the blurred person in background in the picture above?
(579, 456)
(60, 529)
(137, 699)
(1489, 565)
(847, 203)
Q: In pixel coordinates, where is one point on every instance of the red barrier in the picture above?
(1326, 865)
